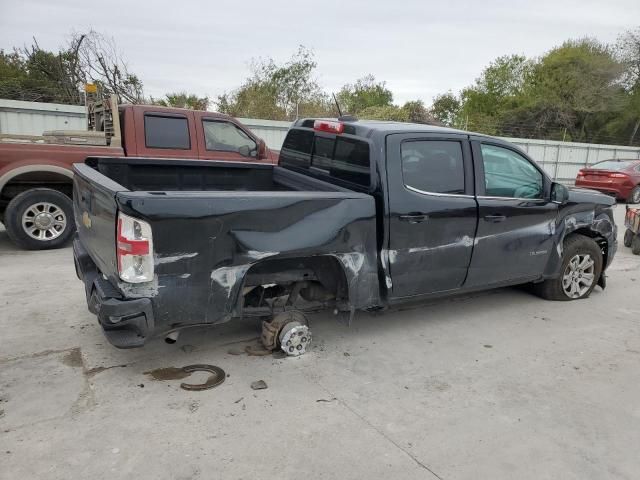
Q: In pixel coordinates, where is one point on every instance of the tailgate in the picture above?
(95, 211)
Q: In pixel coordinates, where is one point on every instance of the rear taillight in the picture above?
(580, 173)
(134, 249)
(617, 175)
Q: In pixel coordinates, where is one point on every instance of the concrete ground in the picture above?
(495, 385)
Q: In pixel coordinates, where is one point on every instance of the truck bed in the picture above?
(139, 174)
(215, 225)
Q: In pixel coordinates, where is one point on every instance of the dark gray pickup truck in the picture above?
(357, 215)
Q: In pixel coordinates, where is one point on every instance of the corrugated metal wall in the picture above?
(561, 160)
(33, 118)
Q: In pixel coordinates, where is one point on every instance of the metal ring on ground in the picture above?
(216, 378)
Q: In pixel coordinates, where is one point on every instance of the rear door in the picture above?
(165, 134)
(516, 218)
(433, 212)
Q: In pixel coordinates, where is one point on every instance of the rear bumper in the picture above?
(126, 323)
(620, 191)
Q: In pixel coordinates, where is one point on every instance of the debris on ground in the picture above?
(216, 378)
(327, 400)
(239, 400)
(259, 385)
(488, 346)
(173, 373)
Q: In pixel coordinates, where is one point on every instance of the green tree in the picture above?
(34, 74)
(446, 109)
(278, 92)
(499, 88)
(365, 93)
(581, 80)
(628, 52)
(418, 113)
(412, 111)
(182, 100)
(385, 112)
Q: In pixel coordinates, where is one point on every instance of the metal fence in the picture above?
(561, 160)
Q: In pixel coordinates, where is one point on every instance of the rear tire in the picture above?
(634, 196)
(40, 219)
(581, 262)
(628, 238)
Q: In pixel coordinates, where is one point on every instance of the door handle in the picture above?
(414, 217)
(495, 218)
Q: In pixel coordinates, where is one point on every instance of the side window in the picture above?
(226, 137)
(433, 166)
(296, 149)
(166, 132)
(509, 174)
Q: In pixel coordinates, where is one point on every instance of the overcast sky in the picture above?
(419, 47)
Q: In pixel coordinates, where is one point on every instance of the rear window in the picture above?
(166, 132)
(612, 165)
(340, 157)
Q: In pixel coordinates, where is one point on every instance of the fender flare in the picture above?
(11, 174)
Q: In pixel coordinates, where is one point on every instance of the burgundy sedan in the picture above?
(619, 178)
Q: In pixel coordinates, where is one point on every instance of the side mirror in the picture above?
(245, 150)
(559, 193)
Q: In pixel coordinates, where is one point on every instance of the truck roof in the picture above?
(365, 128)
(145, 107)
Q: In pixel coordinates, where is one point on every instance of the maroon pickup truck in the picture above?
(35, 172)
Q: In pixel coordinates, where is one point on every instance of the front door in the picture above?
(432, 212)
(516, 219)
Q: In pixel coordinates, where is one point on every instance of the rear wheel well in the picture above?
(37, 179)
(319, 281)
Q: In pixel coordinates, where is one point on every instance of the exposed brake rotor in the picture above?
(287, 330)
(294, 338)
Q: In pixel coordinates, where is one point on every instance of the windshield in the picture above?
(613, 165)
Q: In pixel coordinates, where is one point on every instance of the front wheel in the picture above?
(580, 271)
(39, 219)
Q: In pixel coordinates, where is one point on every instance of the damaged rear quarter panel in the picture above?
(205, 242)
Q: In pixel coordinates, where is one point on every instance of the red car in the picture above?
(619, 178)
